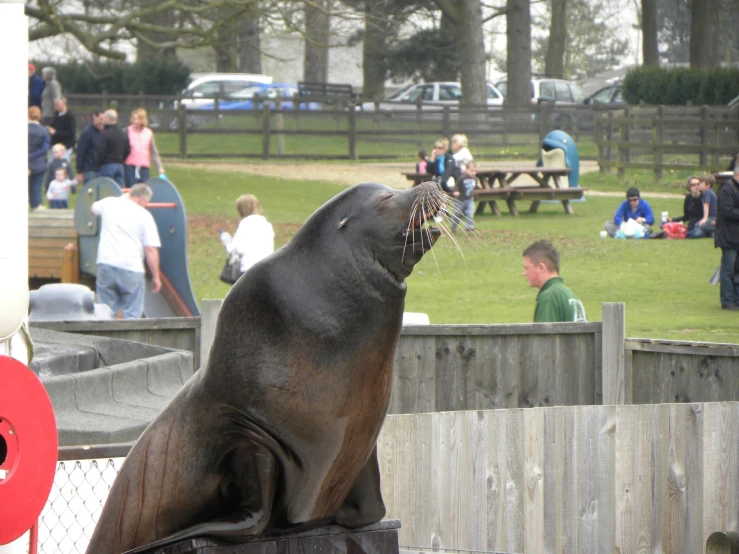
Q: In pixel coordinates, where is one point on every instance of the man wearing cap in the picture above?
(87, 148)
(35, 87)
(631, 208)
(727, 239)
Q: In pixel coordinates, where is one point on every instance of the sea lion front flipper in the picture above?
(363, 505)
(253, 478)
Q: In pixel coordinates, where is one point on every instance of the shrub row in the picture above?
(159, 76)
(676, 86)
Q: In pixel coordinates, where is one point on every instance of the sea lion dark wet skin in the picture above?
(278, 430)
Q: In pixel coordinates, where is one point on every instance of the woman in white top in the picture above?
(255, 238)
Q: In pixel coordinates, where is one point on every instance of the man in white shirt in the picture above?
(128, 235)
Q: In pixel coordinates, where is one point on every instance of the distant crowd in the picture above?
(102, 148)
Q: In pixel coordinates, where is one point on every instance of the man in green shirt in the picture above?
(555, 302)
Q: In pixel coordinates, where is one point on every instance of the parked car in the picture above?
(222, 85)
(609, 94)
(244, 99)
(550, 90)
(432, 95)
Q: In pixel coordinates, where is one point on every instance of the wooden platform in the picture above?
(50, 232)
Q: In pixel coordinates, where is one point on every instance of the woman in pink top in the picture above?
(143, 150)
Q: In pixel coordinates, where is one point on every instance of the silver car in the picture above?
(433, 96)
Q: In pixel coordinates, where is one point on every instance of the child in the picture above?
(58, 160)
(59, 188)
(422, 160)
(465, 208)
(462, 154)
(707, 225)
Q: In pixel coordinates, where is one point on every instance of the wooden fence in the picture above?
(348, 132)
(482, 367)
(667, 137)
(580, 479)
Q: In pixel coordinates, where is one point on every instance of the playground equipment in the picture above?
(51, 257)
(558, 150)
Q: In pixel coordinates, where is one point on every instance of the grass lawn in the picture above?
(663, 283)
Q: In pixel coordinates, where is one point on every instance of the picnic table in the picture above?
(497, 184)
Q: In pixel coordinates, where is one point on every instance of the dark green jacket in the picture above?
(556, 302)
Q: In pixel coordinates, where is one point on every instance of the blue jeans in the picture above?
(706, 230)
(729, 290)
(59, 204)
(35, 182)
(114, 171)
(464, 213)
(135, 174)
(120, 288)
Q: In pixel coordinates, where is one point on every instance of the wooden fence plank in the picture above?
(616, 384)
(534, 464)
(208, 317)
(515, 483)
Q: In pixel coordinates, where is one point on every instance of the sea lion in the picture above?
(278, 430)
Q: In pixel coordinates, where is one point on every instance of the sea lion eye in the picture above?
(342, 223)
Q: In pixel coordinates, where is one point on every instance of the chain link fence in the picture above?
(81, 484)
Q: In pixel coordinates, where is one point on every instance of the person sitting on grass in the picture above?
(632, 208)
(692, 206)
(555, 302)
(58, 193)
(707, 225)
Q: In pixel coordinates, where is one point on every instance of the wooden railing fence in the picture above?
(667, 137)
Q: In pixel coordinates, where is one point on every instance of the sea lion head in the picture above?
(386, 228)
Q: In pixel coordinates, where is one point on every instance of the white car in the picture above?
(203, 89)
(433, 95)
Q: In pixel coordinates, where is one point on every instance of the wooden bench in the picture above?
(53, 246)
(326, 93)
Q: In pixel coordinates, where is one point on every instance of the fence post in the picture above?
(280, 126)
(545, 114)
(616, 379)
(266, 122)
(704, 137)
(352, 132)
(609, 138)
(182, 128)
(624, 154)
(658, 137)
(208, 318)
(446, 124)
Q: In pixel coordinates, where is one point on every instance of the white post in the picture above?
(208, 318)
(14, 206)
(616, 377)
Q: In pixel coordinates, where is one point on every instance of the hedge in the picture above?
(159, 76)
(678, 86)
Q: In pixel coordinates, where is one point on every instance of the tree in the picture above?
(466, 18)
(554, 64)
(518, 64)
(650, 51)
(249, 44)
(317, 34)
(704, 40)
(592, 45)
(101, 26)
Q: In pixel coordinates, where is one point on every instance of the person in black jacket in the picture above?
(727, 239)
(442, 165)
(113, 149)
(87, 149)
(62, 127)
(693, 204)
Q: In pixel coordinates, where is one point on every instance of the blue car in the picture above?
(244, 99)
